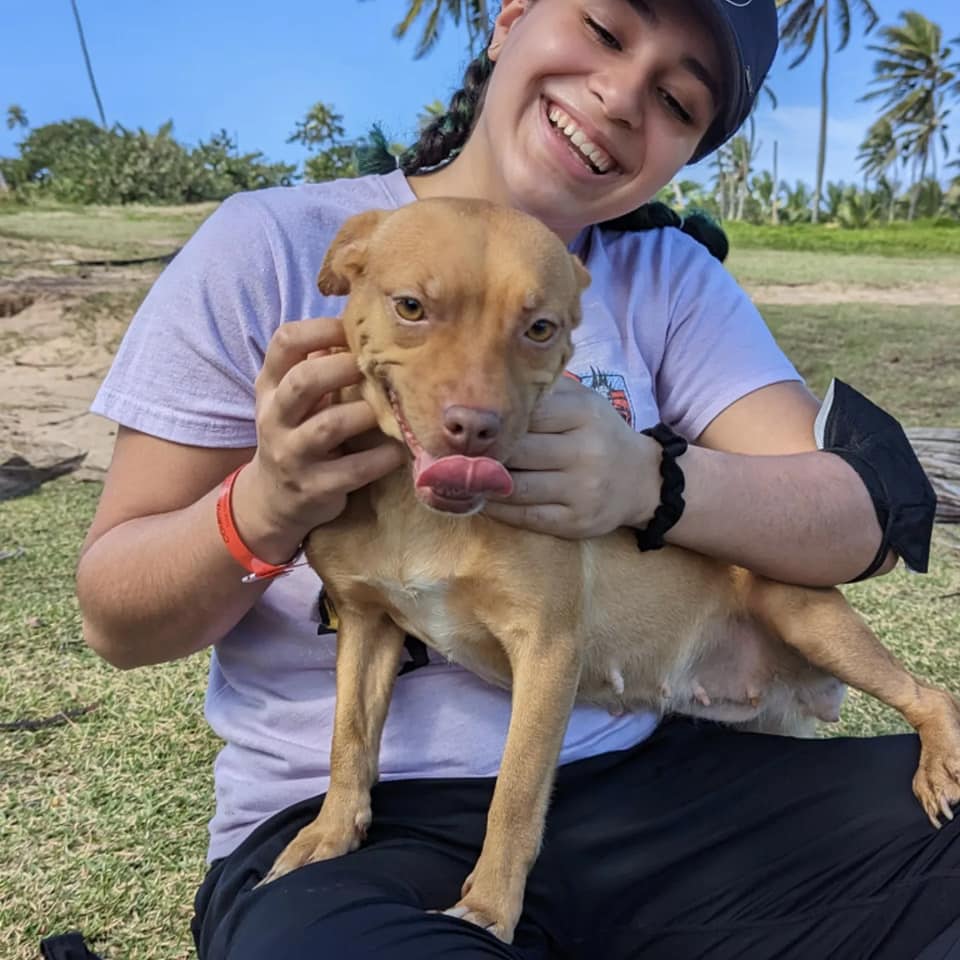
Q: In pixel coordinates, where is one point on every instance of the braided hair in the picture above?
(441, 139)
(445, 136)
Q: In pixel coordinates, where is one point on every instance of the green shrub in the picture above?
(75, 161)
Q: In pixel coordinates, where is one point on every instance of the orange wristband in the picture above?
(256, 568)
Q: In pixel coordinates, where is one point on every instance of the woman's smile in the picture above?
(576, 138)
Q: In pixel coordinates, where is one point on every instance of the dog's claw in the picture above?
(464, 912)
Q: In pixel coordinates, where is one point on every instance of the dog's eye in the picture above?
(541, 331)
(408, 308)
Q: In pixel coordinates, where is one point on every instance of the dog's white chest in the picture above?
(422, 607)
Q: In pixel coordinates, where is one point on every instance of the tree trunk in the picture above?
(775, 204)
(824, 106)
(915, 198)
(86, 60)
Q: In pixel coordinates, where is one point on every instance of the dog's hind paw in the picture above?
(938, 790)
(937, 780)
(937, 785)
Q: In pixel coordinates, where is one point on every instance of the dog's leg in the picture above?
(823, 628)
(546, 673)
(368, 656)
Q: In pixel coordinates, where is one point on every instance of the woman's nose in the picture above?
(620, 92)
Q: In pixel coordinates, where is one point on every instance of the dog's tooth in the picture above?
(579, 139)
(570, 128)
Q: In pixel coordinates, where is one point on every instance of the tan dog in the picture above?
(460, 317)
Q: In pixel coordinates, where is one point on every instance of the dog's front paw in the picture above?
(937, 780)
(485, 917)
(497, 913)
(334, 833)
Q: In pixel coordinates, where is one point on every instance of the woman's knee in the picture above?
(319, 913)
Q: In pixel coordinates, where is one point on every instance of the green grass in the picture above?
(755, 266)
(132, 231)
(102, 821)
(921, 239)
(903, 358)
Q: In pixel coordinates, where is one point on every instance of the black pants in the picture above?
(700, 842)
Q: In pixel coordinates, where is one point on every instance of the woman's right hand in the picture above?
(299, 477)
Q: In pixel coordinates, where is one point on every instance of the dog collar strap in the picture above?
(256, 568)
(671, 504)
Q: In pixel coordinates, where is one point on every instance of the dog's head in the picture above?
(460, 316)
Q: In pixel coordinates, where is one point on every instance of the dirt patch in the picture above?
(13, 303)
(55, 349)
(908, 295)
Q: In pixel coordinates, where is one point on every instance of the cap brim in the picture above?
(734, 92)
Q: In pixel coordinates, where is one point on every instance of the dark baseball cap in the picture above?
(748, 35)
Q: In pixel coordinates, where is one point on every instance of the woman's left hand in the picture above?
(581, 471)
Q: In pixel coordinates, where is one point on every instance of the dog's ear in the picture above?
(580, 272)
(346, 256)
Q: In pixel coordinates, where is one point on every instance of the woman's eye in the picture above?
(676, 108)
(603, 34)
(541, 331)
(408, 308)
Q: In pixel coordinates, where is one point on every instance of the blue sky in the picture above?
(254, 68)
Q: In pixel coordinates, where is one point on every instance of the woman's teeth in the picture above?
(599, 160)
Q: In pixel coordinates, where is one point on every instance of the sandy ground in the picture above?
(51, 364)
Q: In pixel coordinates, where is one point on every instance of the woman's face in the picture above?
(593, 106)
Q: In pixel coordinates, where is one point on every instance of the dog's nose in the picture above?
(470, 431)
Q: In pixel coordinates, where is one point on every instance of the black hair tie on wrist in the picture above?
(671, 504)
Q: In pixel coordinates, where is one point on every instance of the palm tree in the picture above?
(430, 112)
(802, 21)
(763, 190)
(16, 117)
(879, 150)
(913, 74)
(475, 13)
(878, 153)
(86, 60)
(796, 202)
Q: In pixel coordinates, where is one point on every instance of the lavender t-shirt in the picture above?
(666, 334)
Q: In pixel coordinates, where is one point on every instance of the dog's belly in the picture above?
(428, 609)
(732, 672)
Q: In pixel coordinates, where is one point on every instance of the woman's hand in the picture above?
(581, 471)
(299, 477)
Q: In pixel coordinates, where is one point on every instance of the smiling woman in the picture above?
(634, 82)
(578, 112)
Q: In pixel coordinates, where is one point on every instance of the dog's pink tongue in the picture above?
(464, 475)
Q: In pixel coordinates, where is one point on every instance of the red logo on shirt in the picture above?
(613, 386)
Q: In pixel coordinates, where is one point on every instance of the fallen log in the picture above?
(938, 449)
